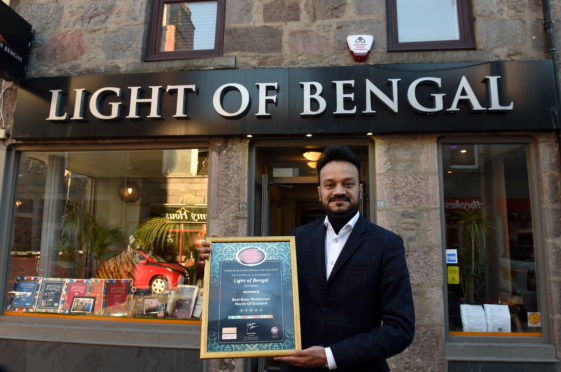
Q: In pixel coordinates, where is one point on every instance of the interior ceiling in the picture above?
(117, 163)
(275, 154)
(110, 164)
(148, 163)
(291, 157)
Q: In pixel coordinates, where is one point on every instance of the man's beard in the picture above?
(353, 207)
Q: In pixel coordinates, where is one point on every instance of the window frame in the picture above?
(465, 25)
(76, 329)
(153, 53)
(460, 346)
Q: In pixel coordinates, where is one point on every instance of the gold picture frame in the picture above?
(241, 318)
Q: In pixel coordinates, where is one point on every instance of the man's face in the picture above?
(339, 188)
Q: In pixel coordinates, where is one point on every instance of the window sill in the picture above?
(224, 62)
(178, 334)
(514, 351)
(497, 334)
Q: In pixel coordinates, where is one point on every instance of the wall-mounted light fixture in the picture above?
(129, 192)
(312, 155)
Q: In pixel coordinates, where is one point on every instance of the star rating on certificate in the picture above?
(251, 310)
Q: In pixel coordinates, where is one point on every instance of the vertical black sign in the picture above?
(15, 42)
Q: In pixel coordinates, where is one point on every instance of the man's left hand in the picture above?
(308, 358)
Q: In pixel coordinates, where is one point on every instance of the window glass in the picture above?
(429, 25)
(186, 29)
(427, 20)
(490, 256)
(108, 233)
(188, 26)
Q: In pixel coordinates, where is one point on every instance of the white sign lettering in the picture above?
(217, 99)
(263, 98)
(429, 99)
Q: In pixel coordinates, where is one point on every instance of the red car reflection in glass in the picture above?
(157, 274)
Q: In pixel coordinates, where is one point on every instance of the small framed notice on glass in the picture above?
(250, 305)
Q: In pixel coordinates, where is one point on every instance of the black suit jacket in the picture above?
(364, 311)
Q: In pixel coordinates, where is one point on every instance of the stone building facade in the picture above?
(108, 36)
(74, 38)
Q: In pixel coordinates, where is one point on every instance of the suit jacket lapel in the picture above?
(318, 252)
(356, 239)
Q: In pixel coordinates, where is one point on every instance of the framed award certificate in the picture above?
(97, 290)
(184, 301)
(116, 296)
(25, 293)
(250, 298)
(50, 296)
(74, 288)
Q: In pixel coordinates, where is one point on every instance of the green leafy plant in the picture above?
(81, 236)
(474, 227)
(155, 234)
(103, 238)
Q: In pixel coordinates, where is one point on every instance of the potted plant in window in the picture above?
(83, 242)
(473, 227)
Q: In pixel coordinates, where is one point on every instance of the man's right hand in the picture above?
(203, 246)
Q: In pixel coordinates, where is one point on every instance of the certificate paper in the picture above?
(473, 318)
(25, 293)
(498, 318)
(250, 298)
(50, 298)
(117, 293)
(184, 301)
(97, 290)
(74, 288)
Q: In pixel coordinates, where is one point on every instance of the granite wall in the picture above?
(549, 170)
(103, 36)
(408, 202)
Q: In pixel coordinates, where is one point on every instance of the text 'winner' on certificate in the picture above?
(250, 298)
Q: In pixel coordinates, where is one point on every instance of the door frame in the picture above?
(254, 207)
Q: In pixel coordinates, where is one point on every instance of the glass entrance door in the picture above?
(288, 205)
(285, 194)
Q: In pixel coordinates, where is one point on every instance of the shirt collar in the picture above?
(349, 225)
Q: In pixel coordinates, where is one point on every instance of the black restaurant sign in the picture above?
(437, 97)
(15, 42)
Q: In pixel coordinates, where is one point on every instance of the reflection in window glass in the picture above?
(491, 267)
(108, 232)
(188, 26)
(427, 20)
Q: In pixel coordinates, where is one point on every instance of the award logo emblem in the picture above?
(251, 256)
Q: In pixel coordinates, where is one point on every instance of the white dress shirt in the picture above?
(334, 244)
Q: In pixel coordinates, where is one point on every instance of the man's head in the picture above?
(339, 187)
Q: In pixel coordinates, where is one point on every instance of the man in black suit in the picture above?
(356, 306)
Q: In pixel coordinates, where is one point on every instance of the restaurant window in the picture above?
(491, 270)
(108, 233)
(429, 25)
(186, 29)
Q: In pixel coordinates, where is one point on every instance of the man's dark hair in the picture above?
(337, 153)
